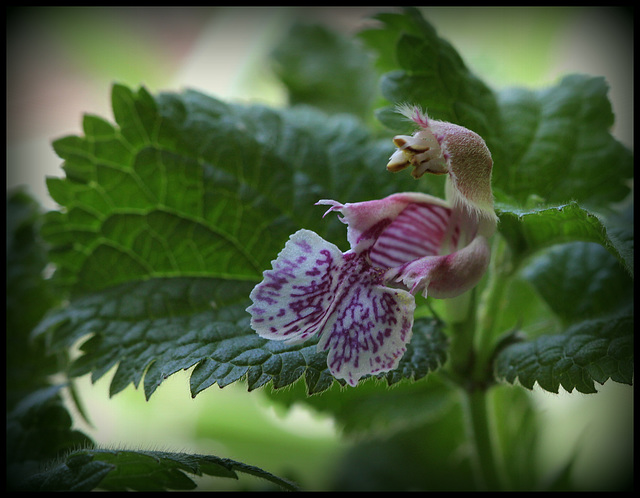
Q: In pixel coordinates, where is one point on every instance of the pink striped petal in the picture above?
(445, 276)
(416, 232)
(368, 220)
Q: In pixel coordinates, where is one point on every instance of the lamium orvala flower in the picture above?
(360, 303)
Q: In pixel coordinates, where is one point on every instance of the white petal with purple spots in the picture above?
(293, 300)
(315, 289)
(369, 326)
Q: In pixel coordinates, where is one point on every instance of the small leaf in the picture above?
(121, 470)
(429, 72)
(592, 350)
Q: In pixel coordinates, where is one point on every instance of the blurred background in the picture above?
(61, 63)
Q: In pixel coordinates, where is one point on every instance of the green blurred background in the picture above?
(61, 63)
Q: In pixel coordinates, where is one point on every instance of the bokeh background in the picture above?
(61, 63)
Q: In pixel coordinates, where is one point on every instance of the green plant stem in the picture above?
(472, 346)
(461, 351)
(491, 306)
(479, 431)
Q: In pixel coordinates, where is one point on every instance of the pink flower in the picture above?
(361, 303)
(445, 148)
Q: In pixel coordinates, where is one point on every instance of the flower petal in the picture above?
(445, 276)
(315, 289)
(369, 326)
(418, 231)
(367, 220)
(293, 300)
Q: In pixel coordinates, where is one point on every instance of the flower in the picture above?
(445, 148)
(361, 302)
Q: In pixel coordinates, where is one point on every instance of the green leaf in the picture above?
(591, 350)
(337, 78)
(559, 146)
(554, 143)
(188, 185)
(182, 205)
(122, 470)
(429, 72)
(581, 280)
(528, 231)
(39, 428)
(155, 328)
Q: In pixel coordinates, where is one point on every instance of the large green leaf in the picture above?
(155, 328)
(122, 470)
(187, 185)
(169, 219)
(592, 294)
(554, 143)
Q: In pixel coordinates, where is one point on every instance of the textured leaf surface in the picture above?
(529, 231)
(426, 70)
(592, 350)
(120, 470)
(554, 142)
(581, 280)
(188, 188)
(559, 145)
(187, 185)
(155, 328)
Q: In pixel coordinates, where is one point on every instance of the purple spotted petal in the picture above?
(314, 288)
(293, 300)
(370, 324)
